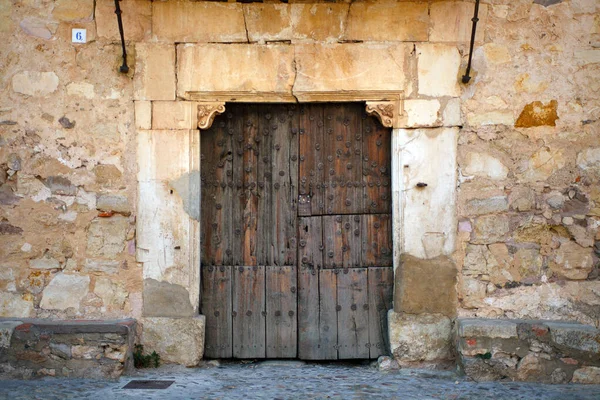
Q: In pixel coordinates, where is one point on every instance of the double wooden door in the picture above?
(296, 232)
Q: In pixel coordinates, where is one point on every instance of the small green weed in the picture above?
(141, 360)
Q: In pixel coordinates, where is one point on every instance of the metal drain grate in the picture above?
(142, 384)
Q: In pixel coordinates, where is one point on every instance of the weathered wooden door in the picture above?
(296, 232)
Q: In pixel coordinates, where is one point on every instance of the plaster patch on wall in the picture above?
(187, 187)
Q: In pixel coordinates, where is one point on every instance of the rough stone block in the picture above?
(202, 21)
(318, 22)
(495, 328)
(73, 10)
(576, 336)
(501, 117)
(44, 262)
(33, 83)
(485, 165)
(112, 293)
(155, 72)
(81, 89)
(410, 21)
(585, 57)
(38, 27)
(543, 163)
(104, 266)
(176, 340)
(164, 299)
(451, 21)
(490, 229)
(6, 23)
(268, 22)
(15, 305)
(452, 113)
(438, 70)
(486, 206)
(415, 292)
(572, 261)
(143, 114)
(522, 198)
(136, 16)
(333, 68)
(422, 113)
(65, 291)
(420, 338)
(268, 70)
(589, 160)
(106, 236)
(107, 176)
(587, 375)
(174, 115)
(113, 202)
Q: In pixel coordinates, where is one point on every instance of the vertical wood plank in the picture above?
(310, 242)
(377, 240)
(351, 241)
(216, 307)
(284, 196)
(308, 314)
(263, 142)
(248, 313)
(281, 307)
(334, 241)
(311, 166)
(216, 199)
(310, 261)
(328, 326)
(343, 189)
(381, 290)
(353, 316)
(377, 156)
(245, 205)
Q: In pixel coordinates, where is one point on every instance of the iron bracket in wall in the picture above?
(466, 77)
(124, 68)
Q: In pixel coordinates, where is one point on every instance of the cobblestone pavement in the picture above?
(292, 380)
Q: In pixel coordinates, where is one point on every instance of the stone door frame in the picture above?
(423, 163)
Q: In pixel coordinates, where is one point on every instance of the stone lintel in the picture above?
(385, 105)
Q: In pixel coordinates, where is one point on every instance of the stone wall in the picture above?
(529, 166)
(100, 170)
(67, 167)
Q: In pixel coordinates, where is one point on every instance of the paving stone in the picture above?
(243, 380)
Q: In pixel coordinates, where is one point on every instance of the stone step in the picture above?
(528, 350)
(31, 348)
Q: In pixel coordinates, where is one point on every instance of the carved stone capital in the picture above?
(207, 113)
(388, 112)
